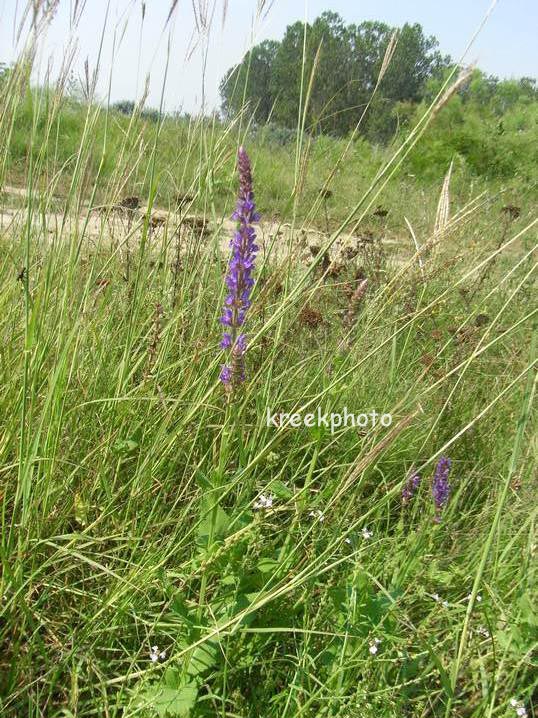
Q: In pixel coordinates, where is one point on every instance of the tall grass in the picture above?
(129, 483)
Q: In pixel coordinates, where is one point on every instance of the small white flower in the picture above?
(374, 646)
(519, 707)
(483, 631)
(264, 502)
(347, 540)
(478, 598)
(317, 514)
(436, 596)
(445, 604)
(366, 533)
(156, 655)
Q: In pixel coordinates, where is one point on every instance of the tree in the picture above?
(331, 103)
(335, 66)
(416, 59)
(126, 107)
(481, 89)
(250, 81)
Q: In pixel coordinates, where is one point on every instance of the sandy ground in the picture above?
(117, 227)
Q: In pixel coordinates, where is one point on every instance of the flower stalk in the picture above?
(411, 486)
(239, 280)
(441, 487)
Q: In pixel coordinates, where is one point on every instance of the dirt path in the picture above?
(116, 226)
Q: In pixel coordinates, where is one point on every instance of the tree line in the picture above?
(337, 67)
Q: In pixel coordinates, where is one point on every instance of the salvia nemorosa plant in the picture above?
(441, 486)
(410, 487)
(239, 281)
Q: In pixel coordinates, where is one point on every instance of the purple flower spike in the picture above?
(225, 374)
(239, 281)
(410, 487)
(226, 342)
(441, 486)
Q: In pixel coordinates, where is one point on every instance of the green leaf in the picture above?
(203, 481)
(172, 678)
(215, 521)
(528, 612)
(280, 490)
(376, 607)
(125, 446)
(228, 609)
(340, 597)
(179, 606)
(171, 702)
(267, 565)
(203, 659)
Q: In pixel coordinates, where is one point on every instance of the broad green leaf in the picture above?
(172, 702)
(268, 565)
(280, 490)
(204, 658)
(215, 521)
(180, 608)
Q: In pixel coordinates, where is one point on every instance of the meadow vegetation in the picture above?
(165, 552)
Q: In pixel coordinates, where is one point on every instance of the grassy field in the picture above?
(165, 551)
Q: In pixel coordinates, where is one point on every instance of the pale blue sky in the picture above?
(507, 46)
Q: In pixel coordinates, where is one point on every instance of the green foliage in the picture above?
(487, 145)
(171, 700)
(126, 107)
(492, 126)
(250, 81)
(329, 71)
(340, 64)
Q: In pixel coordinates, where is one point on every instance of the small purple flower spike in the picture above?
(410, 487)
(441, 486)
(239, 279)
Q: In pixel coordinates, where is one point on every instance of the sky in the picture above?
(110, 35)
